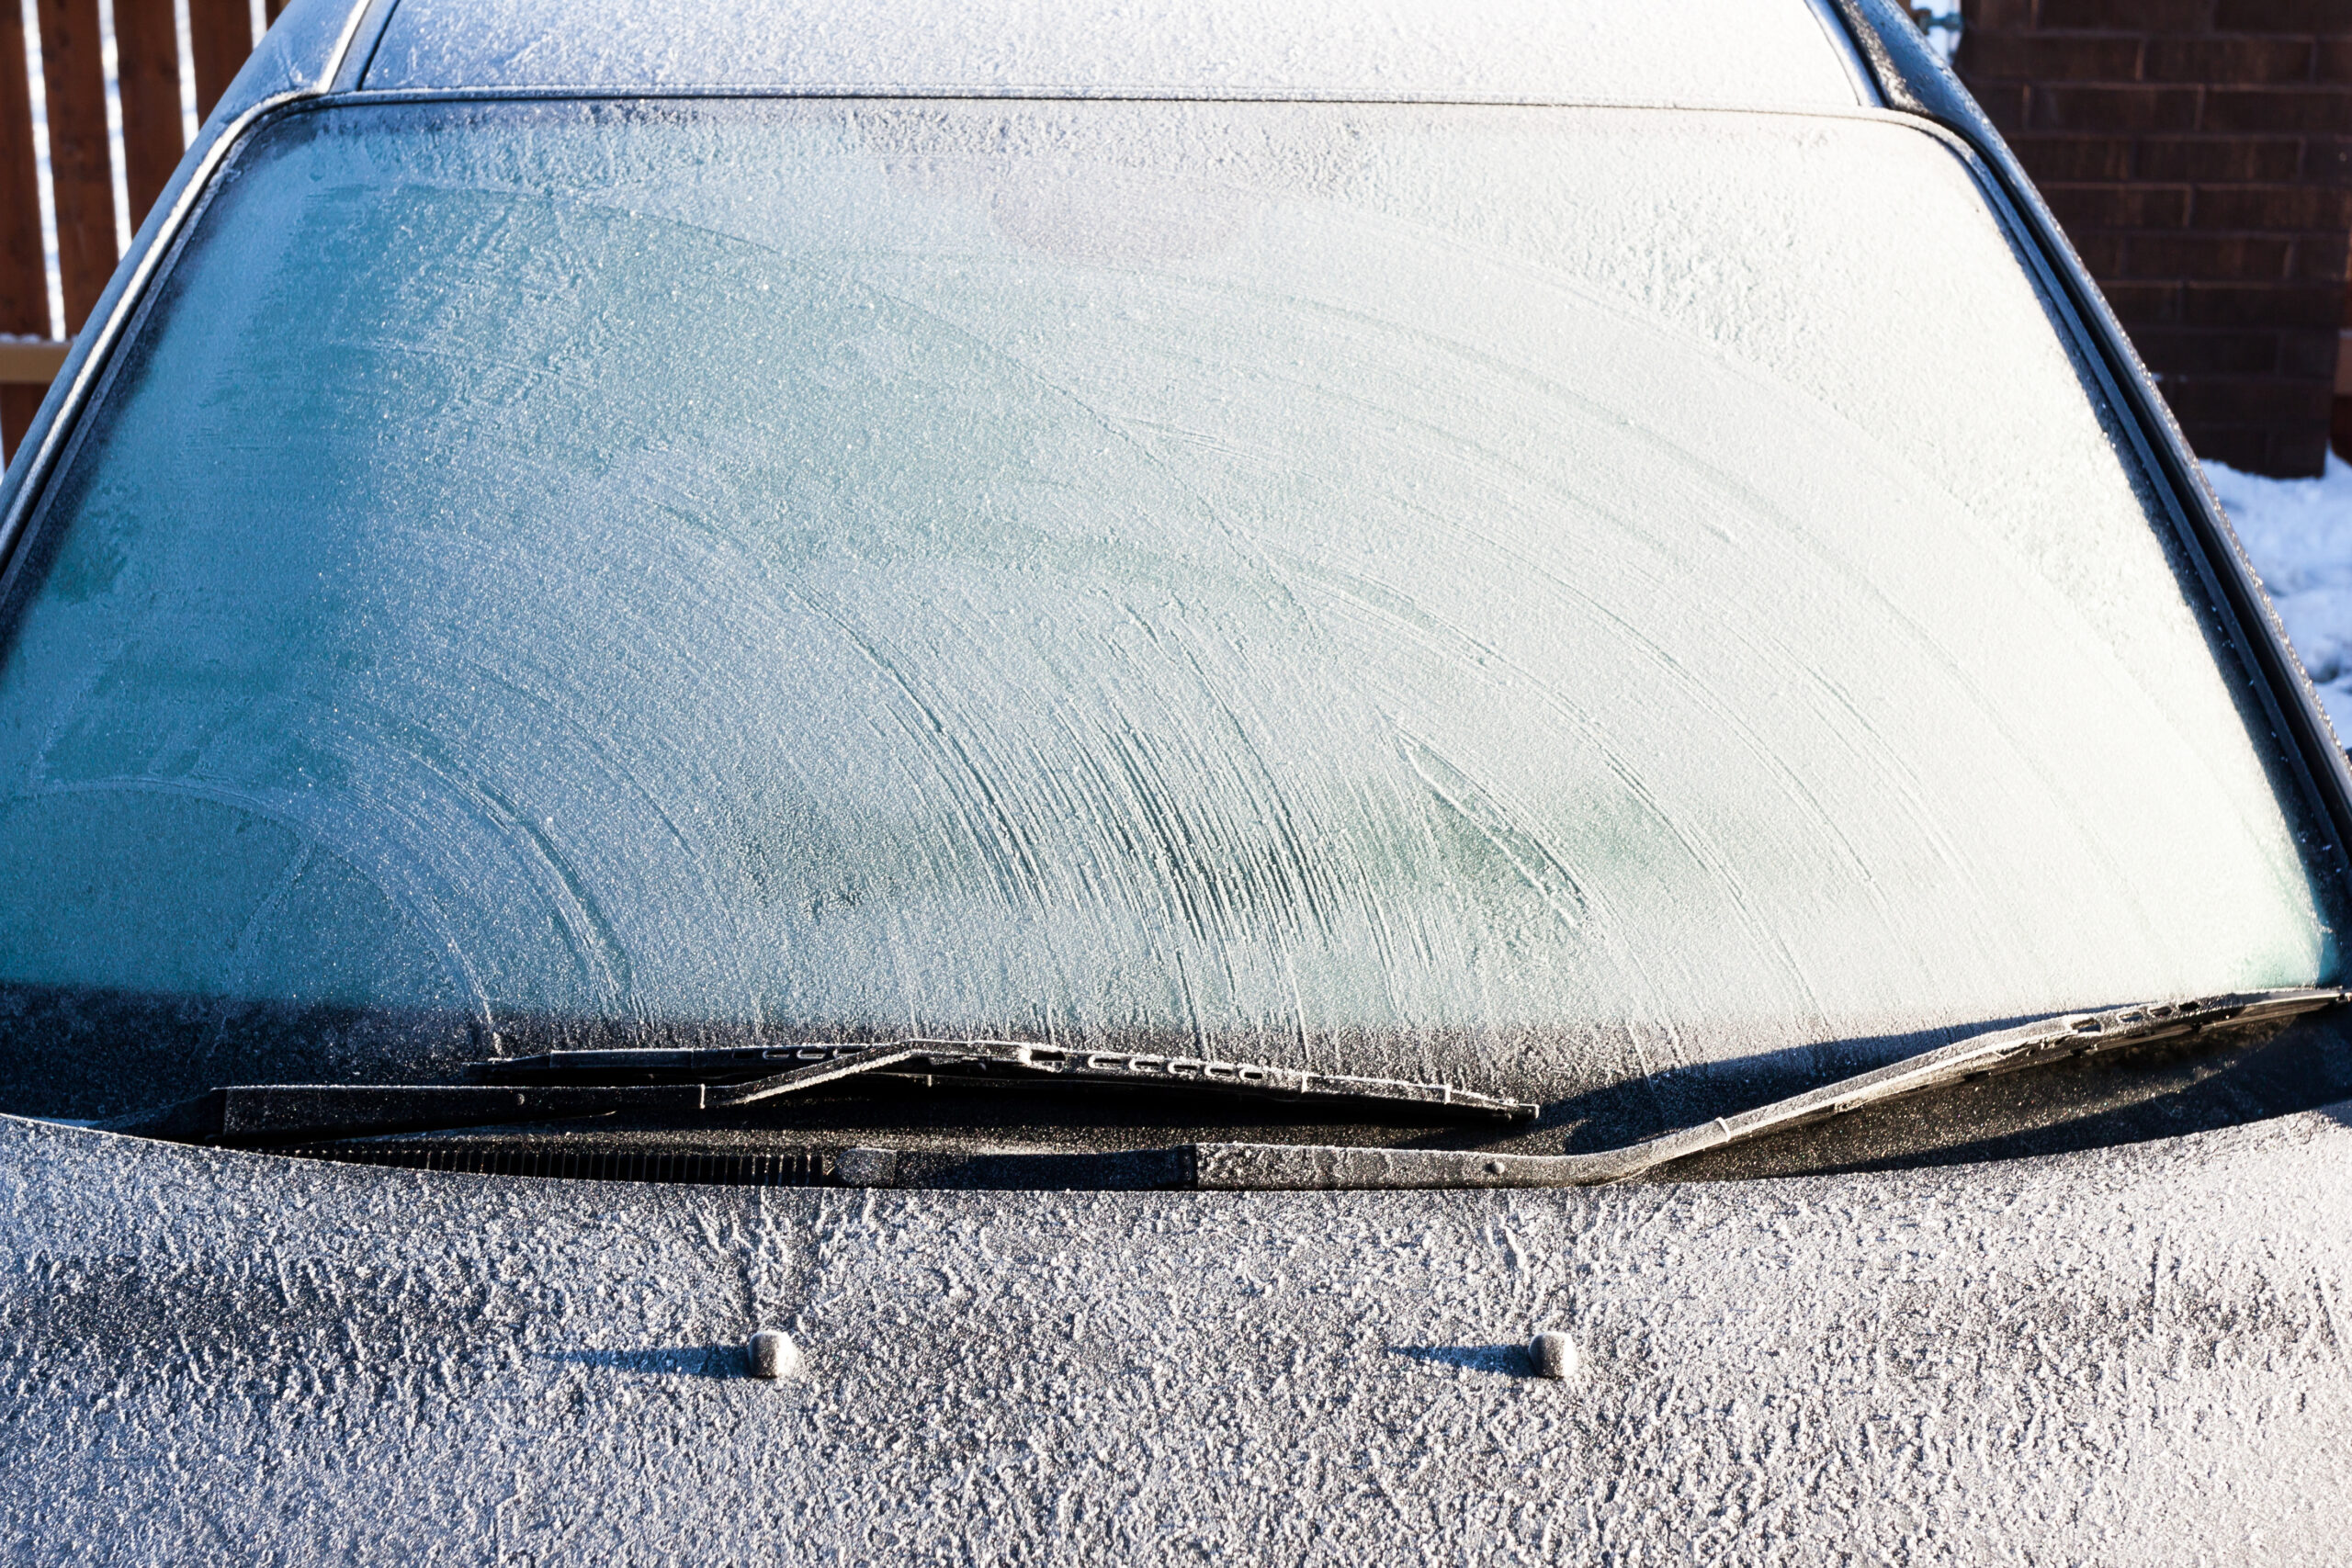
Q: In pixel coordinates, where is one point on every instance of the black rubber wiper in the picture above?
(582, 1083)
(745, 1075)
(1292, 1167)
(1323, 1168)
(565, 1084)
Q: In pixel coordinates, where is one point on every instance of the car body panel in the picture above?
(1780, 54)
(2136, 1354)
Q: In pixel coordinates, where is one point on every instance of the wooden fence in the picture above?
(83, 156)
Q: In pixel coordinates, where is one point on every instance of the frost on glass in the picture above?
(1754, 52)
(1533, 597)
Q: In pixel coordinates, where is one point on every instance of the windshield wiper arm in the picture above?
(582, 1082)
(563, 1084)
(746, 1075)
(1280, 1167)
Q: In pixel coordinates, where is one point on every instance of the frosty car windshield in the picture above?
(1527, 597)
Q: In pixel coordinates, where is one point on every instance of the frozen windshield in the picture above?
(1527, 597)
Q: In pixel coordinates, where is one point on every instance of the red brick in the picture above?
(2231, 257)
(2241, 448)
(2201, 159)
(2129, 16)
(2276, 108)
(2004, 106)
(2058, 158)
(2297, 455)
(2142, 304)
(2119, 207)
(2249, 399)
(2309, 353)
(2282, 16)
(2278, 208)
(2319, 257)
(2327, 160)
(2114, 108)
(2208, 353)
(2261, 305)
(1993, 16)
(2235, 61)
(2055, 57)
(2204, 147)
(2102, 253)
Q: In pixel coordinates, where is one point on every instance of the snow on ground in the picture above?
(2298, 534)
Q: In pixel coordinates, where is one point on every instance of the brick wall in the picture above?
(2200, 155)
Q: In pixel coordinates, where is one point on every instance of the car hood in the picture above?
(2135, 1354)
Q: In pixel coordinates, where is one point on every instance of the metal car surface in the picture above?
(2126, 1350)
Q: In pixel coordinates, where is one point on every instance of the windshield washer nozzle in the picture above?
(773, 1354)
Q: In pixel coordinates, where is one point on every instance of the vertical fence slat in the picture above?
(79, 170)
(24, 274)
(73, 75)
(220, 34)
(147, 68)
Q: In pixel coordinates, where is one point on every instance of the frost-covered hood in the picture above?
(2132, 1356)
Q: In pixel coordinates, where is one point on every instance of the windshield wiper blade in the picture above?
(285, 1112)
(566, 1084)
(587, 1083)
(746, 1075)
(1307, 1168)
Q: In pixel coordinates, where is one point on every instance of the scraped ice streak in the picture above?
(1526, 596)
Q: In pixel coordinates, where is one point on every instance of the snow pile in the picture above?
(2298, 534)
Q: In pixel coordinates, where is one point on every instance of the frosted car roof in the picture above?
(1785, 54)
